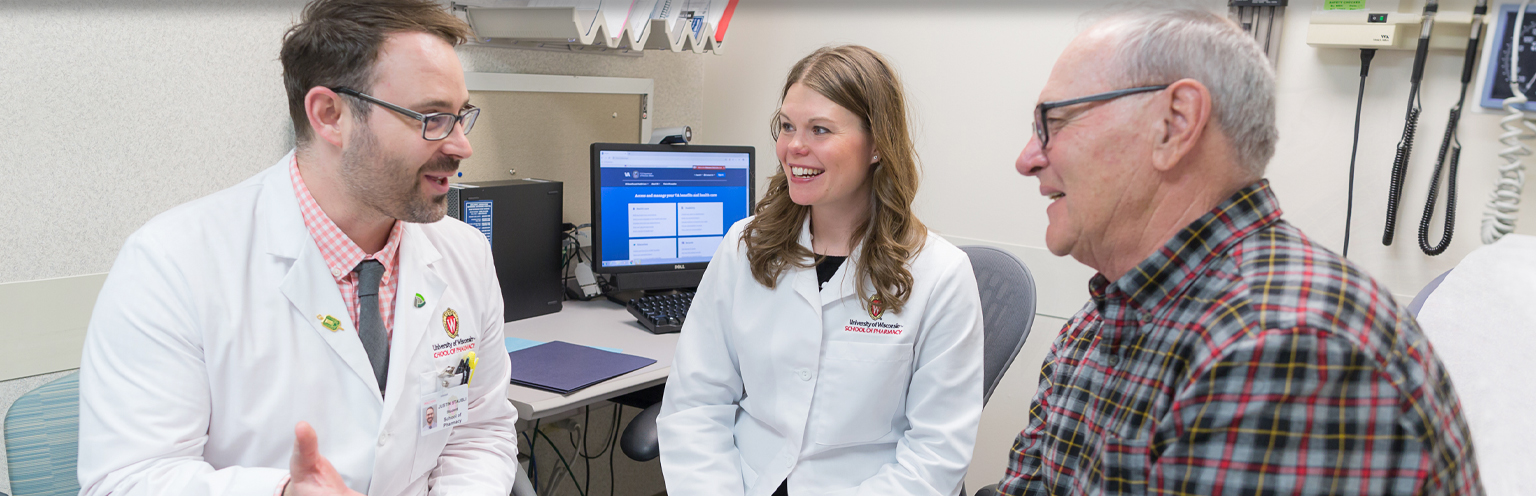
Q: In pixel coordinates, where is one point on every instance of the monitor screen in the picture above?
(666, 205)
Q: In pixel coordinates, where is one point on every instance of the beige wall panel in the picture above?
(548, 136)
(43, 324)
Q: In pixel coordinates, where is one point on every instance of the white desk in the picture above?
(591, 323)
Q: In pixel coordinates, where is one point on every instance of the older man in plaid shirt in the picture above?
(1223, 352)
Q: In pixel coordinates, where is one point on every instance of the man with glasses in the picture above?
(300, 333)
(1223, 352)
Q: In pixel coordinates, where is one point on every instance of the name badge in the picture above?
(444, 409)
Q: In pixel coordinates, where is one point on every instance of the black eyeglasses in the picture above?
(1043, 132)
(434, 126)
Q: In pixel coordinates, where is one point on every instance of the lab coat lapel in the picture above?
(313, 292)
(308, 285)
(843, 284)
(803, 279)
(418, 274)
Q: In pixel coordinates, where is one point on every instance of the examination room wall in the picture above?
(973, 70)
(123, 109)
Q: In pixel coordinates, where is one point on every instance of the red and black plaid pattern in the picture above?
(1242, 359)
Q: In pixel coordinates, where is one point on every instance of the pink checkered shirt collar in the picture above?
(340, 252)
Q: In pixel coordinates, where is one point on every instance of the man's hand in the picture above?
(310, 474)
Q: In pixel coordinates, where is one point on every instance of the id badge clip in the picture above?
(446, 379)
(459, 375)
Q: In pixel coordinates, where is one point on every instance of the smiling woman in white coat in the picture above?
(834, 346)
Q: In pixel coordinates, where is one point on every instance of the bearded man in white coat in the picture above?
(289, 334)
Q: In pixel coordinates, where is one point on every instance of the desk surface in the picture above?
(591, 323)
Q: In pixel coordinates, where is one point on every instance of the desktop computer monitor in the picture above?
(659, 211)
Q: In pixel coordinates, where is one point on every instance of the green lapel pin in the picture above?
(420, 302)
(331, 323)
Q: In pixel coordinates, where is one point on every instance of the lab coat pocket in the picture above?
(860, 388)
(428, 446)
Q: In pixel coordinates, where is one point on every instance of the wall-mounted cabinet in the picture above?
(618, 27)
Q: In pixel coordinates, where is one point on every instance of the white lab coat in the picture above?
(206, 347)
(805, 383)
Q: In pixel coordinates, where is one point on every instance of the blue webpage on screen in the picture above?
(669, 207)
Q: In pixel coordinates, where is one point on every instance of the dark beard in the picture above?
(390, 187)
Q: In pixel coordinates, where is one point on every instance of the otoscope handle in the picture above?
(1422, 53)
(1474, 40)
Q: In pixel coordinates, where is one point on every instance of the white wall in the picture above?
(973, 70)
(120, 110)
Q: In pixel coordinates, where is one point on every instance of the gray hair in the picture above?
(1160, 46)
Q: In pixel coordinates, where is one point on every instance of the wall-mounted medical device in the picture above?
(1495, 77)
(1415, 25)
(1388, 30)
(1263, 19)
(1513, 26)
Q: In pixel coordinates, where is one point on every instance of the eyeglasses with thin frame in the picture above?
(1043, 132)
(434, 126)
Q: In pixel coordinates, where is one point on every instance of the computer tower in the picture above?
(521, 219)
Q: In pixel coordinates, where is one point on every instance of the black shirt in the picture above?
(826, 268)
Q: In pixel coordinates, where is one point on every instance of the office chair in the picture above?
(42, 433)
(1007, 310)
(1007, 291)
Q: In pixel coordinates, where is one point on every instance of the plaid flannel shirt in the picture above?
(1242, 359)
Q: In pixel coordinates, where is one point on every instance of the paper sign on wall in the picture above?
(1343, 4)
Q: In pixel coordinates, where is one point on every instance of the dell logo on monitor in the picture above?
(679, 267)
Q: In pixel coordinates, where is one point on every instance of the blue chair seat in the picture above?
(42, 438)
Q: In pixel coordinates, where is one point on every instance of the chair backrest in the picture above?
(42, 438)
(1007, 309)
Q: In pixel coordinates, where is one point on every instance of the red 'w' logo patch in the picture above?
(451, 323)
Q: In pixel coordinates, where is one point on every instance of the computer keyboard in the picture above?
(661, 314)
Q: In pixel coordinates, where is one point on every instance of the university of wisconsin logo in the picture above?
(451, 323)
(875, 309)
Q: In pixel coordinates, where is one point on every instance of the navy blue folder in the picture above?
(564, 368)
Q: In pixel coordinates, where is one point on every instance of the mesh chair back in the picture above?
(1007, 309)
(42, 434)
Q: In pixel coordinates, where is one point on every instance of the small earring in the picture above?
(877, 158)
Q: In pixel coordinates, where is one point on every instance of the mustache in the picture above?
(440, 164)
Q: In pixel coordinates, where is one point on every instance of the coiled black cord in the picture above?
(1400, 164)
(1452, 144)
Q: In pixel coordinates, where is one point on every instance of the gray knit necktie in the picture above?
(370, 323)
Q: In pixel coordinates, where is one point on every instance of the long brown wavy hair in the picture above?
(862, 81)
